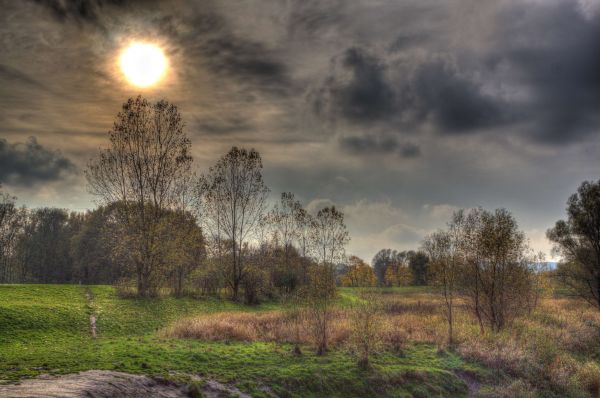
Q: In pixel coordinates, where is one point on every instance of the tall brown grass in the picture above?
(543, 350)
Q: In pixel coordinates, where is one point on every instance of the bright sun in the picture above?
(143, 64)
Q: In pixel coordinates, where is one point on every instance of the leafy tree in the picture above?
(359, 274)
(93, 260)
(382, 260)
(398, 274)
(487, 259)
(577, 239)
(417, 263)
(183, 247)
(46, 245)
(145, 168)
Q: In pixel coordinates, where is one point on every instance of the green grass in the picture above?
(45, 329)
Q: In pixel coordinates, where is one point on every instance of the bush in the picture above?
(365, 326)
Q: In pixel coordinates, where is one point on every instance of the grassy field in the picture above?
(46, 329)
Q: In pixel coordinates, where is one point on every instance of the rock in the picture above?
(93, 384)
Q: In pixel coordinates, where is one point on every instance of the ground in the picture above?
(48, 330)
(45, 329)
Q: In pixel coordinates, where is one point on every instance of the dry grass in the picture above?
(543, 350)
(273, 326)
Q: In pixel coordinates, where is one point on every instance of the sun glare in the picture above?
(143, 64)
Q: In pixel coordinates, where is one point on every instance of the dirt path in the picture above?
(89, 296)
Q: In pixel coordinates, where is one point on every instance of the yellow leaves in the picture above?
(359, 274)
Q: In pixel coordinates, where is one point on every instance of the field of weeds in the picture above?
(552, 351)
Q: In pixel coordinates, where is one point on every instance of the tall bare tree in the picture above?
(12, 221)
(441, 247)
(148, 157)
(285, 217)
(578, 240)
(232, 198)
(329, 236)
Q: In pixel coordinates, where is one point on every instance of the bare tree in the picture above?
(232, 198)
(12, 221)
(441, 247)
(147, 159)
(286, 218)
(365, 326)
(329, 236)
(578, 240)
(319, 295)
(304, 222)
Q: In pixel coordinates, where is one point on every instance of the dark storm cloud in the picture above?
(81, 11)
(248, 61)
(538, 74)
(554, 52)
(433, 91)
(367, 96)
(30, 162)
(449, 103)
(376, 144)
(455, 103)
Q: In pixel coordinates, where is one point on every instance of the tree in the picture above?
(232, 198)
(305, 222)
(182, 245)
(398, 274)
(285, 217)
(148, 158)
(382, 260)
(365, 327)
(578, 240)
(12, 221)
(441, 247)
(44, 246)
(359, 274)
(417, 263)
(93, 260)
(488, 260)
(319, 295)
(329, 236)
(505, 270)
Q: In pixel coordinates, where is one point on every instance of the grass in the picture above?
(45, 329)
(554, 352)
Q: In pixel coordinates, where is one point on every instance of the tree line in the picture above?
(161, 227)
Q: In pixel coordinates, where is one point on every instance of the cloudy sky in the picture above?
(397, 111)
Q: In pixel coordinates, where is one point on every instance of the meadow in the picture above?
(45, 329)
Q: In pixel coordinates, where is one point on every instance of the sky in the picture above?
(398, 112)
